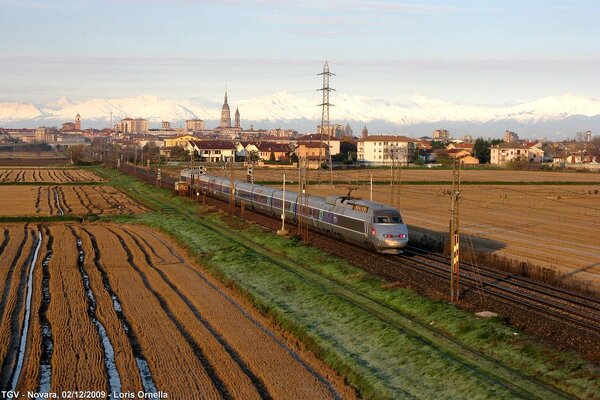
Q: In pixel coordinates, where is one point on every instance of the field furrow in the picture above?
(50, 200)
(118, 308)
(130, 361)
(77, 358)
(44, 363)
(173, 362)
(31, 200)
(240, 380)
(5, 240)
(49, 175)
(6, 177)
(282, 370)
(14, 247)
(63, 199)
(28, 340)
(114, 380)
(12, 309)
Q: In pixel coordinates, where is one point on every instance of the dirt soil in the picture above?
(126, 310)
(52, 175)
(31, 200)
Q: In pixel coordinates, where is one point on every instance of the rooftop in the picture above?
(387, 138)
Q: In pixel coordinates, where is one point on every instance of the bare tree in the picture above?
(75, 153)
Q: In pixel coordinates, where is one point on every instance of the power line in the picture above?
(325, 120)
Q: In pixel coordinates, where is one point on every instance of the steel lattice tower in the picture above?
(325, 120)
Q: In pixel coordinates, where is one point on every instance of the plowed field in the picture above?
(121, 309)
(10, 175)
(30, 200)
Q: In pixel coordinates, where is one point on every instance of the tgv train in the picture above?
(361, 222)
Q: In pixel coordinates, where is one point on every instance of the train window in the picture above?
(388, 219)
(243, 194)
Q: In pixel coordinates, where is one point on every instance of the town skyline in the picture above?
(552, 117)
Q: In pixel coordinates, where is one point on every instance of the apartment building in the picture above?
(385, 149)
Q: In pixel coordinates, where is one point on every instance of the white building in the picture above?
(334, 143)
(130, 125)
(212, 150)
(384, 149)
(505, 152)
(243, 149)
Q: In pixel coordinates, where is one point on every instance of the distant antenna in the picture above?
(325, 120)
(111, 125)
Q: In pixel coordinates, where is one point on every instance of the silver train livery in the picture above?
(361, 222)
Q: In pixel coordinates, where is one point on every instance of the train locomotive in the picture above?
(365, 223)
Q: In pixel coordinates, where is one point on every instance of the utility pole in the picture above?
(325, 121)
(283, 231)
(371, 188)
(455, 234)
(302, 201)
(232, 187)
(392, 153)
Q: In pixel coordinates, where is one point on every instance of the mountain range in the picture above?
(554, 117)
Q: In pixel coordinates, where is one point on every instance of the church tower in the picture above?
(78, 122)
(225, 114)
(365, 132)
(237, 117)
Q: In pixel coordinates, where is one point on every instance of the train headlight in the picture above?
(402, 236)
(373, 232)
(388, 236)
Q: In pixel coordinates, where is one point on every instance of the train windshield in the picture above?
(387, 218)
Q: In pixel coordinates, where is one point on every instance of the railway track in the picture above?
(577, 308)
(553, 302)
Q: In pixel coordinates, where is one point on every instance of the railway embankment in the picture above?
(387, 341)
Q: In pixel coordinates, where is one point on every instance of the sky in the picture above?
(472, 51)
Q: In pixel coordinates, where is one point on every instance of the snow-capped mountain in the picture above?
(567, 112)
(18, 112)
